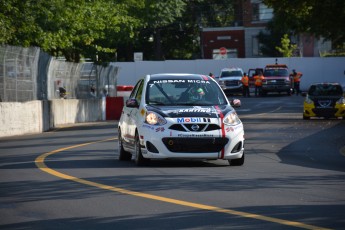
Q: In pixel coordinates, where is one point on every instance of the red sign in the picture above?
(222, 51)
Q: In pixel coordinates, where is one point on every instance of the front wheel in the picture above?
(305, 117)
(139, 159)
(237, 162)
(123, 155)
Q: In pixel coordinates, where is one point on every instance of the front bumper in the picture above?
(231, 86)
(310, 110)
(166, 143)
(276, 88)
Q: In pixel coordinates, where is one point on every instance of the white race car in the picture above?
(180, 116)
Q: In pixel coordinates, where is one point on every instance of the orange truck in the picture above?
(277, 79)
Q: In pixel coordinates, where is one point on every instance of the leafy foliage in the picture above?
(110, 30)
(324, 18)
(286, 48)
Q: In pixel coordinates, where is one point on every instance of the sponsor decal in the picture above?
(193, 120)
(189, 119)
(195, 110)
(168, 81)
(142, 112)
(195, 135)
(148, 127)
(221, 116)
(228, 129)
(233, 128)
(199, 81)
(160, 129)
(181, 81)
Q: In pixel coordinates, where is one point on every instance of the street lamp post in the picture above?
(201, 43)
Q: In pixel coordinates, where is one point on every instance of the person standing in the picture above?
(258, 83)
(245, 83)
(296, 77)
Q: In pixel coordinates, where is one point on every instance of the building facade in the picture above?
(241, 40)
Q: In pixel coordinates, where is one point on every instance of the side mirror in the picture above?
(132, 103)
(236, 103)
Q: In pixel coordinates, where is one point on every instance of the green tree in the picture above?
(72, 29)
(100, 29)
(321, 18)
(286, 49)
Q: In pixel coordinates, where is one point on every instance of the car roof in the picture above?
(326, 83)
(232, 69)
(275, 66)
(166, 76)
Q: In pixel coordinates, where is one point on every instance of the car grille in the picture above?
(325, 103)
(195, 145)
(232, 83)
(325, 112)
(194, 127)
(276, 82)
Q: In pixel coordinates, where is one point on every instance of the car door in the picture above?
(127, 121)
(133, 114)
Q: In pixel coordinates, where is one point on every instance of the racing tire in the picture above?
(139, 159)
(305, 117)
(123, 155)
(237, 162)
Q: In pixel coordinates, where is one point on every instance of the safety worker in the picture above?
(245, 83)
(258, 84)
(296, 78)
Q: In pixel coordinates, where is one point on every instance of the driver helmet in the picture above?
(200, 91)
(197, 93)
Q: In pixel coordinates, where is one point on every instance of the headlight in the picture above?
(153, 118)
(341, 101)
(308, 100)
(232, 119)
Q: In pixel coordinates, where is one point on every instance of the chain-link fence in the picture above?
(18, 73)
(30, 74)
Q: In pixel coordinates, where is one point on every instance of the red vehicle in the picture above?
(277, 79)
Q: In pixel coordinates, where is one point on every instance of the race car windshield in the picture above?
(276, 72)
(325, 90)
(235, 73)
(184, 92)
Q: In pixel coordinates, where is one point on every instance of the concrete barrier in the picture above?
(19, 118)
(75, 111)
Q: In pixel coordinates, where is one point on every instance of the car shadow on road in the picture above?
(319, 150)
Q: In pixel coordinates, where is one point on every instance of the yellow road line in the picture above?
(39, 161)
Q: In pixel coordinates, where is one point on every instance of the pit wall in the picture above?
(19, 118)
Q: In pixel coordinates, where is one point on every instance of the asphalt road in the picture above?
(293, 178)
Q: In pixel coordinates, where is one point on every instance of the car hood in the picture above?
(192, 111)
(324, 101)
